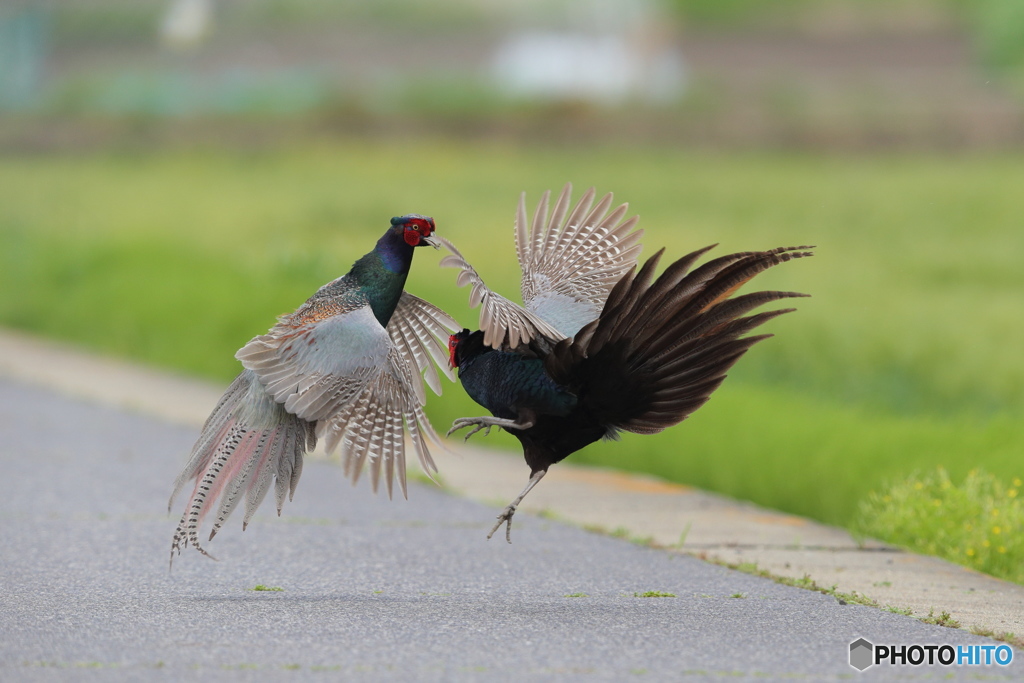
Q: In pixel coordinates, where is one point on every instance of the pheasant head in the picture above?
(415, 229)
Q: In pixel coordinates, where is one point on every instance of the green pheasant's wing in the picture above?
(420, 330)
(361, 383)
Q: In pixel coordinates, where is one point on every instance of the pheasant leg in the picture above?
(506, 515)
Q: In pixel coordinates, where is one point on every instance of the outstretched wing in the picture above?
(371, 429)
(420, 330)
(360, 383)
(502, 321)
(315, 365)
(571, 262)
(327, 370)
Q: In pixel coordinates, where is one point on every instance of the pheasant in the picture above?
(348, 366)
(599, 348)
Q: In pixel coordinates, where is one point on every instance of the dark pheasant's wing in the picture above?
(502, 321)
(570, 260)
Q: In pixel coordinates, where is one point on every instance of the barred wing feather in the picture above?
(371, 429)
(333, 373)
(362, 384)
(420, 330)
(316, 367)
(571, 262)
(502, 321)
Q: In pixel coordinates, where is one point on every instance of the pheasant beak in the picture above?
(431, 241)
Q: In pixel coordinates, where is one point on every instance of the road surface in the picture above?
(371, 589)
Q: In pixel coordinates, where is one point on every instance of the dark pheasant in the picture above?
(653, 355)
(347, 367)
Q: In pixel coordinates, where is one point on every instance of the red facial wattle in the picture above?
(417, 229)
(453, 344)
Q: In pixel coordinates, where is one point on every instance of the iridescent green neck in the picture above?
(381, 274)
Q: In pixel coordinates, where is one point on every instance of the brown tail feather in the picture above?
(676, 332)
(659, 350)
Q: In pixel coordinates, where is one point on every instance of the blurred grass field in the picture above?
(907, 357)
(977, 522)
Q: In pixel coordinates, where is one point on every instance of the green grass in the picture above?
(906, 358)
(653, 594)
(977, 523)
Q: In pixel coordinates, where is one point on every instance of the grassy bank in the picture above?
(906, 358)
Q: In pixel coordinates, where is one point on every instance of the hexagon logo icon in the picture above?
(861, 652)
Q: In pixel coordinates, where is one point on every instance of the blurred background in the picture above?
(175, 173)
(793, 74)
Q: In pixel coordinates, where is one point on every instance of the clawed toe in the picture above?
(504, 518)
(469, 422)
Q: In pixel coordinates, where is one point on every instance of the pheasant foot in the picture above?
(506, 515)
(504, 518)
(485, 423)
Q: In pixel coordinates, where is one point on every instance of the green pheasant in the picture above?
(348, 367)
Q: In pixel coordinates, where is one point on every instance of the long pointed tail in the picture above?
(246, 442)
(660, 349)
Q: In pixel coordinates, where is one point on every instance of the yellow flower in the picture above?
(918, 485)
(986, 543)
(1012, 493)
(996, 530)
(1017, 482)
(936, 502)
(995, 513)
(970, 552)
(1002, 548)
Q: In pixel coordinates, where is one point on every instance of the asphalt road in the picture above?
(372, 589)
